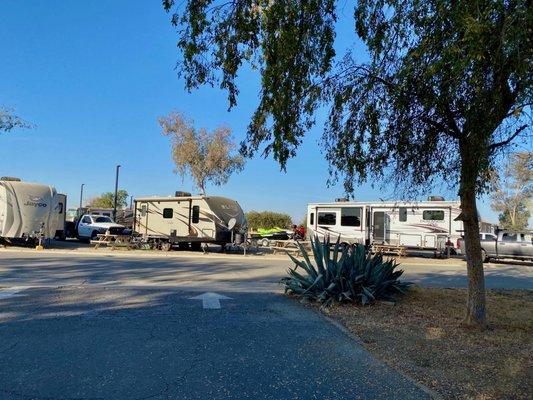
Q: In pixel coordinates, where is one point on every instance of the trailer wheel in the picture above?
(343, 245)
(166, 246)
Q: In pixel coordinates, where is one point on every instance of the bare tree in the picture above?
(513, 195)
(206, 156)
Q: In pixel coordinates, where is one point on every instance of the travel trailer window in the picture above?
(143, 210)
(195, 214)
(168, 213)
(327, 218)
(433, 215)
(351, 216)
(312, 219)
(403, 214)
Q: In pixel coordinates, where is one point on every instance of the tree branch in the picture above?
(442, 127)
(509, 139)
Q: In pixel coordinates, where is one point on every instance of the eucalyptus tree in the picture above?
(440, 90)
(513, 194)
(206, 156)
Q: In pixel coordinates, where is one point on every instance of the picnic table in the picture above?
(113, 241)
(389, 249)
(289, 246)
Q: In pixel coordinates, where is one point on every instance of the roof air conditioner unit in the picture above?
(10, 178)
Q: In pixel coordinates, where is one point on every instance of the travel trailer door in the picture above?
(141, 221)
(381, 227)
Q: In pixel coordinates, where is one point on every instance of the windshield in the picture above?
(102, 219)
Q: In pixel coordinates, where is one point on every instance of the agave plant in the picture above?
(346, 274)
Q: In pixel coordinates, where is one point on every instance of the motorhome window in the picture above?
(351, 216)
(403, 214)
(168, 213)
(433, 215)
(327, 218)
(509, 237)
(195, 214)
(312, 219)
(143, 210)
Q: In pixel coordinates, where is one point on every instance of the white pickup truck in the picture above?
(89, 226)
(506, 245)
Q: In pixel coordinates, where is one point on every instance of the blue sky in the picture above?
(94, 77)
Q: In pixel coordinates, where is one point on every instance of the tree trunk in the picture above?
(475, 305)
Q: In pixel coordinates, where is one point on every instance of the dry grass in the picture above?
(422, 335)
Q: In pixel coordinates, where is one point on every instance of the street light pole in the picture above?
(81, 195)
(116, 194)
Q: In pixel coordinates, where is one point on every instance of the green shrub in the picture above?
(348, 274)
(268, 220)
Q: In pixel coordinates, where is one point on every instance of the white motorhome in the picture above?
(185, 219)
(28, 210)
(420, 224)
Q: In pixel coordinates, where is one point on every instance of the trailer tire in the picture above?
(343, 245)
(166, 246)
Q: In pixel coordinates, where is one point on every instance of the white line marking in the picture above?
(210, 300)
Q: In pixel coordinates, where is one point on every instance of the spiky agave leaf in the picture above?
(355, 276)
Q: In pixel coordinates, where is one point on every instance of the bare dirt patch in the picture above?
(422, 336)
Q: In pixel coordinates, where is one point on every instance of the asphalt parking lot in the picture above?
(190, 270)
(133, 325)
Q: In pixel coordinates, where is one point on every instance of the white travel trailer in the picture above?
(423, 224)
(185, 219)
(29, 210)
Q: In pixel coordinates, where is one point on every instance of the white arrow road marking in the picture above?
(10, 292)
(210, 300)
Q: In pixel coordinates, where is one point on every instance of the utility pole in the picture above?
(81, 195)
(116, 194)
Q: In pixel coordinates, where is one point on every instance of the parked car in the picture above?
(505, 245)
(89, 226)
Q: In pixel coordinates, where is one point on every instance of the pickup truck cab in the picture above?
(507, 245)
(89, 226)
